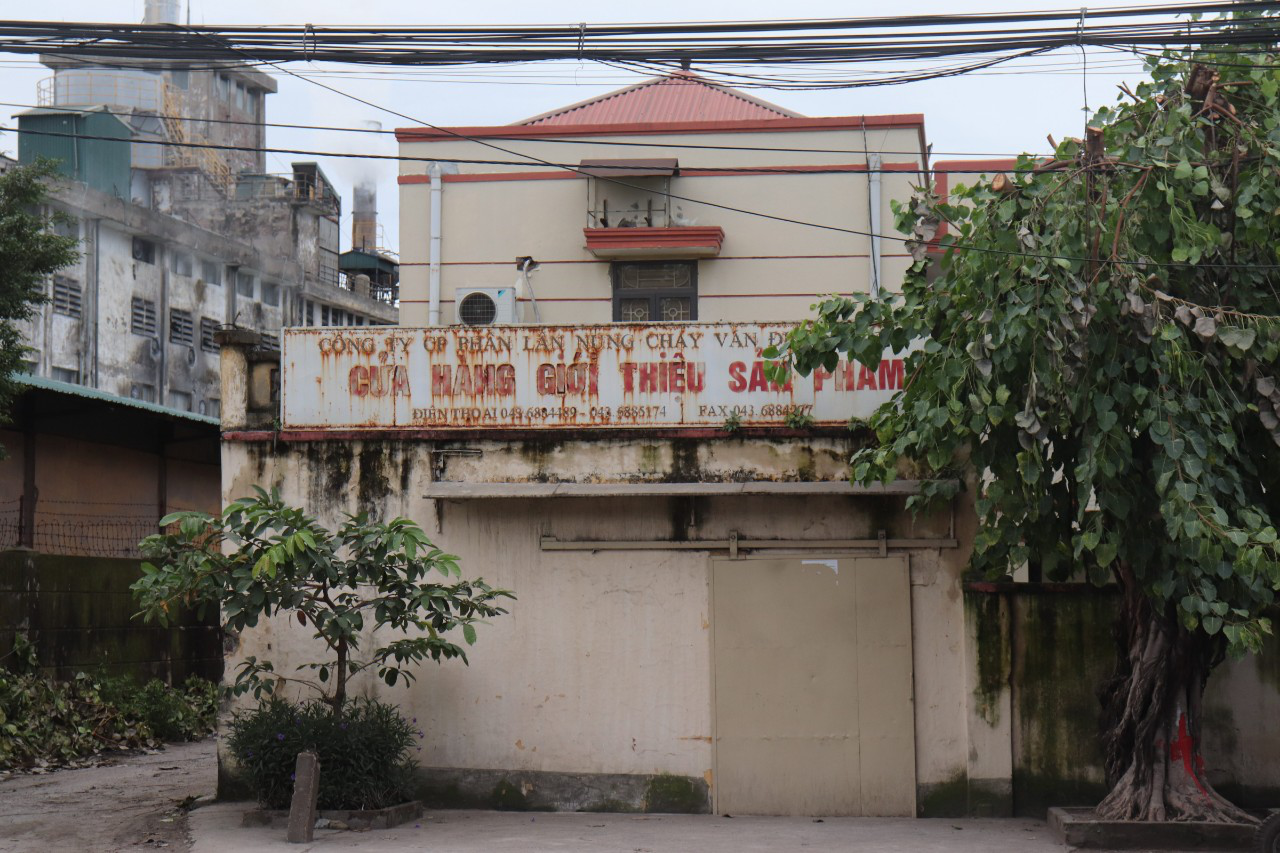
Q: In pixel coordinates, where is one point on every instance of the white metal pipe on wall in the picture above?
(873, 188)
(433, 269)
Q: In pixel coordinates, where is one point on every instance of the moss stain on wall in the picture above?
(1064, 650)
(992, 650)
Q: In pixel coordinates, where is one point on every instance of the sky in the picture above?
(995, 113)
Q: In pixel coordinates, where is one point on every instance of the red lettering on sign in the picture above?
(358, 380)
(628, 369)
(506, 380)
(737, 379)
(378, 380)
(695, 376)
(546, 379)
(649, 379)
(892, 374)
(441, 380)
(866, 378)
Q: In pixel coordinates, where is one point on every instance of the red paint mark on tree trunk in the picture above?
(1184, 749)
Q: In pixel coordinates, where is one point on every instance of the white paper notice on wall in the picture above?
(617, 376)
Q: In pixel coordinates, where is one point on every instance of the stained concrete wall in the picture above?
(1043, 650)
(602, 672)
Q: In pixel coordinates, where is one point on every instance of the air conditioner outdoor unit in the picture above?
(485, 306)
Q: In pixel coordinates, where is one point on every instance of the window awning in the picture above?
(459, 491)
(654, 167)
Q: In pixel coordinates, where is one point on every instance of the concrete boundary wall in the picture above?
(78, 612)
(1042, 650)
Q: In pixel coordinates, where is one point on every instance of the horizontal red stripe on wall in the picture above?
(778, 170)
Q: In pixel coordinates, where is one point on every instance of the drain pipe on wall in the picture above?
(528, 266)
(873, 194)
(433, 269)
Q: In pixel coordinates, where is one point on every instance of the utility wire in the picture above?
(783, 219)
(539, 139)
(728, 208)
(723, 43)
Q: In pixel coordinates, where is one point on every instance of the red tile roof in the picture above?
(680, 97)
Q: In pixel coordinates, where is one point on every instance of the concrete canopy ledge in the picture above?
(1080, 828)
(457, 491)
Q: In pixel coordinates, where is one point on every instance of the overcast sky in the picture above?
(993, 113)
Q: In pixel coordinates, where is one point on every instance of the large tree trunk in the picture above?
(1152, 715)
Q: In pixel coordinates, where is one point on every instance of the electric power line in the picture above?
(703, 202)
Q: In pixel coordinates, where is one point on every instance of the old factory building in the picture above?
(710, 616)
(178, 240)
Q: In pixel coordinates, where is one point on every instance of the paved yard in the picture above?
(131, 804)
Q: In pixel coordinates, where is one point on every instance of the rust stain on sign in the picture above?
(562, 377)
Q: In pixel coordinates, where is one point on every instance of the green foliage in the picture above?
(796, 419)
(365, 752)
(48, 723)
(169, 714)
(29, 253)
(733, 423)
(365, 574)
(1104, 372)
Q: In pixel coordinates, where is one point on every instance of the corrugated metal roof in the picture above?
(95, 394)
(679, 97)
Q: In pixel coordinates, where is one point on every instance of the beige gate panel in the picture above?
(886, 708)
(812, 661)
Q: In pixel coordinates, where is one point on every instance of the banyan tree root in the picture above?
(1151, 721)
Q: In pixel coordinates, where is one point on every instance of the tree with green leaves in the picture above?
(30, 252)
(1098, 359)
(263, 558)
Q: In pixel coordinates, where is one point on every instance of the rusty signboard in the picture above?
(661, 375)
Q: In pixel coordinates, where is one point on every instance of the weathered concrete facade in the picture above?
(603, 678)
(177, 239)
(602, 682)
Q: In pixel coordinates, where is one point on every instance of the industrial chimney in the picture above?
(162, 12)
(364, 217)
(364, 210)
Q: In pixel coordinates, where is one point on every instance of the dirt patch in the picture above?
(135, 802)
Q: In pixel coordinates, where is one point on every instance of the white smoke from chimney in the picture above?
(162, 12)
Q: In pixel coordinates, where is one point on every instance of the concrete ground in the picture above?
(131, 802)
(217, 828)
(135, 804)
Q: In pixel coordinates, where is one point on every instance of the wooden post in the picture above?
(302, 810)
(30, 494)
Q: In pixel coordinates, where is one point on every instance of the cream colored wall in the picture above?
(604, 664)
(485, 225)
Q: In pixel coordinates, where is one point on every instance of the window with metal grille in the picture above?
(211, 272)
(655, 291)
(66, 296)
(140, 391)
(324, 315)
(63, 374)
(207, 328)
(180, 326)
(142, 317)
(181, 264)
